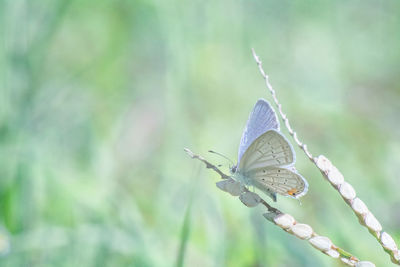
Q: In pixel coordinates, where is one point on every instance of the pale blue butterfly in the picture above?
(266, 158)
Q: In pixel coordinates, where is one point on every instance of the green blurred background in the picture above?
(99, 98)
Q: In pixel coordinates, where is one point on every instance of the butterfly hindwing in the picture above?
(280, 180)
(261, 119)
(269, 150)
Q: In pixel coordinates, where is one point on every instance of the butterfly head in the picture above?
(233, 169)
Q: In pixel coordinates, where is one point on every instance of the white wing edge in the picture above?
(305, 184)
(276, 115)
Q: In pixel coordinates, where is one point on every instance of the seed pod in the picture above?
(250, 199)
(335, 176)
(372, 223)
(347, 191)
(321, 242)
(359, 207)
(348, 261)
(303, 231)
(284, 221)
(364, 264)
(230, 186)
(388, 242)
(333, 253)
(324, 164)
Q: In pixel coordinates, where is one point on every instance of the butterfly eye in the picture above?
(233, 169)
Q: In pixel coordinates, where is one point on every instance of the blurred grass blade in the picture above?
(185, 232)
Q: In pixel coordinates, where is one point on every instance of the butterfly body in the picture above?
(266, 158)
(244, 178)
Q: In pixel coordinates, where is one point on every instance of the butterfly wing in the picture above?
(271, 149)
(280, 180)
(268, 165)
(261, 119)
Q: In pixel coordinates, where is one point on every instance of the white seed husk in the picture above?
(359, 207)
(372, 223)
(321, 242)
(284, 221)
(335, 176)
(303, 231)
(347, 191)
(333, 253)
(345, 260)
(388, 242)
(323, 164)
(348, 261)
(364, 264)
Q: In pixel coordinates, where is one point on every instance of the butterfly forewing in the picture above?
(261, 119)
(269, 150)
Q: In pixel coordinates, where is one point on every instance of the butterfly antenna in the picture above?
(222, 156)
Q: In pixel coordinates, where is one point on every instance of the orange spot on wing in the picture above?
(292, 191)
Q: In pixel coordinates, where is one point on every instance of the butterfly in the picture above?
(266, 158)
